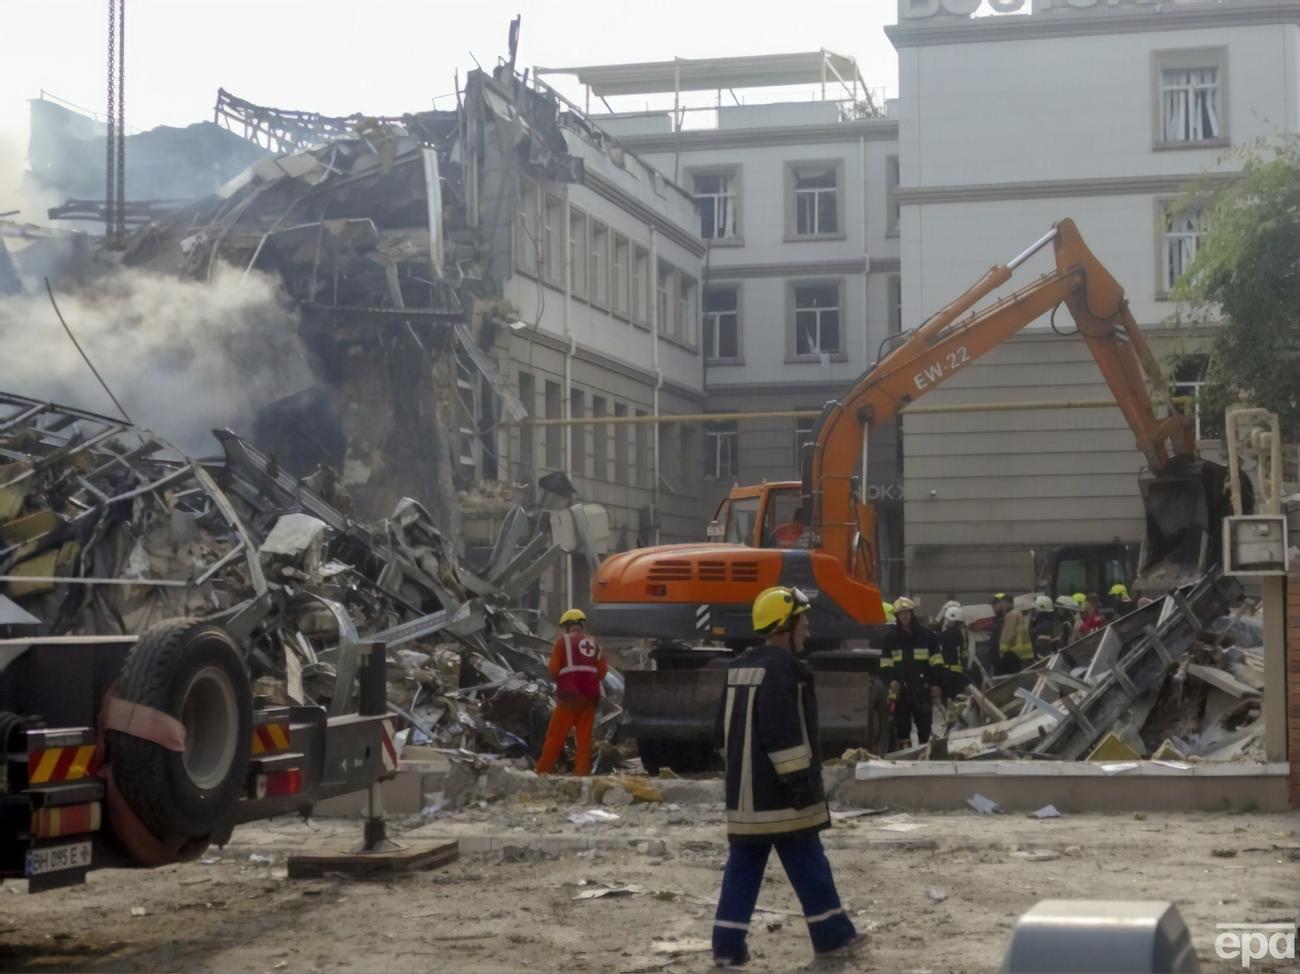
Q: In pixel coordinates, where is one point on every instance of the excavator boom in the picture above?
(954, 338)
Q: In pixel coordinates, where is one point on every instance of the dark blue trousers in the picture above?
(810, 875)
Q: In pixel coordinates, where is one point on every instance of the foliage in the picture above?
(1246, 274)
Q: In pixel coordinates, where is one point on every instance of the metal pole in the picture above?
(1038, 245)
(372, 701)
(991, 407)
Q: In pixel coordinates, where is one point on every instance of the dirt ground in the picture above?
(942, 897)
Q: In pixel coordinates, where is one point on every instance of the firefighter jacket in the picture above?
(768, 725)
(578, 665)
(905, 657)
(1015, 636)
(1048, 632)
(954, 652)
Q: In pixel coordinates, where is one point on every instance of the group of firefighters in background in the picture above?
(928, 664)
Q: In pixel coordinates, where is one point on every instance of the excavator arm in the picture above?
(957, 336)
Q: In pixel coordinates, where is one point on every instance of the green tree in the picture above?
(1246, 275)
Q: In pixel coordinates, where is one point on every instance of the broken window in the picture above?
(687, 470)
(1189, 380)
(578, 434)
(895, 304)
(621, 471)
(668, 449)
(892, 211)
(599, 281)
(721, 450)
(643, 431)
(467, 424)
(527, 432)
(803, 438)
(817, 319)
(684, 324)
(816, 199)
(553, 240)
(1190, 105)
(667, 294)
(640, 285)
(577, 253)
(715, 196)
(619, 276)
(722, 323)
(1182, 236)
(554, 434)
(599, 438)
(527, 235)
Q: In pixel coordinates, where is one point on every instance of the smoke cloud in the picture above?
(183, 357)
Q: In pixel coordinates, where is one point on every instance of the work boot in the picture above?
(731, 961)
(854, 945)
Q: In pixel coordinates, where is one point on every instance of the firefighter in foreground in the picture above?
(578, 666)
(775, 799)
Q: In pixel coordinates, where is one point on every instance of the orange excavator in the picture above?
(820, 533)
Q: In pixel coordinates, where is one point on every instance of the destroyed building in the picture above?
(454, 274)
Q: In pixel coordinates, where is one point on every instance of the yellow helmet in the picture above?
(776, 607)
(903, 603)
(1079, 599)
(1119, 590)
(573, 615)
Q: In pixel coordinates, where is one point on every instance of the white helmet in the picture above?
(1066, 602)
(953, 613)
(1043, 603)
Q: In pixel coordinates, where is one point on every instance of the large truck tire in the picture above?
(194, 672)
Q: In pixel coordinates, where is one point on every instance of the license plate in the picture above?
(53, 859)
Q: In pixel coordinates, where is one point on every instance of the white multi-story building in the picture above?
(1107, 111)
(605, 277)
(801, 276)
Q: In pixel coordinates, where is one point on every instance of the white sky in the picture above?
(382, 56)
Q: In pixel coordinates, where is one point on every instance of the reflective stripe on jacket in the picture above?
(1015, 635)
(768, 717)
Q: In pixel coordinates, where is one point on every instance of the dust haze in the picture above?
(181, 356)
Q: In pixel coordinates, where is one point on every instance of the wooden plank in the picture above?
(409, 858)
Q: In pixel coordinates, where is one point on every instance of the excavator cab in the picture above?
(766, 516)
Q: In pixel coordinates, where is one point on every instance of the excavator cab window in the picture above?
(783, 518)
(742, 517)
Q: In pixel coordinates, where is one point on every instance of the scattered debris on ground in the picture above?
(107, 530)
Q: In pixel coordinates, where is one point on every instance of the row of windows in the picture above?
(721, 442)
(814, 200)
(720, 458)
(815, 320)
(606, 269)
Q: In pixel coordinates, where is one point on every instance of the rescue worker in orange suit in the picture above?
(578, 666)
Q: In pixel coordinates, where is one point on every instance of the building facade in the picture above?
(606, 277)
(800, 284)
(1111, 113)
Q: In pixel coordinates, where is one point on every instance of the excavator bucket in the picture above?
(1185, 504)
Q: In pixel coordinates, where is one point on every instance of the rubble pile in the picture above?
(1180, 679)
(107, 530)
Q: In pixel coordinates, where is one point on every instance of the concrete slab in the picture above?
(1073, 787)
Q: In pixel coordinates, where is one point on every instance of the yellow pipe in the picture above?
(991, 407)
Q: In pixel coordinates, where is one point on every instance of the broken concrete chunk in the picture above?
(985, 806)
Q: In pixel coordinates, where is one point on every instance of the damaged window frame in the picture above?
(578, 260)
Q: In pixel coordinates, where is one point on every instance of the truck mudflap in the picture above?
(52, 807)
